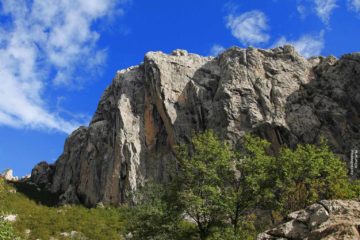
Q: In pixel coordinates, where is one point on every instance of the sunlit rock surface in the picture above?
(276, 94)
(326, 220)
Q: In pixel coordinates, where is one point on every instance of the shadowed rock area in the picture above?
(334, 219)
(149, 108)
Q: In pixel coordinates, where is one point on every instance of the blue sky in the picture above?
(57, 56)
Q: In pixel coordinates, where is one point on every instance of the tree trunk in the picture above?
(236, 219)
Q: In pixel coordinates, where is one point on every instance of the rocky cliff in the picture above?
(326, 220)
(148, 108)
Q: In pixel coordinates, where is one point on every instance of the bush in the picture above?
(2, 187)
(293, 179)
(355, 187)
(7, 231)
(155, 216)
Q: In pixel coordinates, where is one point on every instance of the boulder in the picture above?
(42, 174)
(9, 218)
(330, 219)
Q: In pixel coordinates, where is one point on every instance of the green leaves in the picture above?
(205, 167)
(6, 231)
(218, 188)
(156, 215)
(294, 178)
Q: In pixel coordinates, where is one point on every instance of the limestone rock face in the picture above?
(8, 175)
(335, 219)
(148, 108)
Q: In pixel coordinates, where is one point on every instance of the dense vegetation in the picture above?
(226, 194)
(215, 192)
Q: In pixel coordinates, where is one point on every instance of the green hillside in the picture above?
(45, 221)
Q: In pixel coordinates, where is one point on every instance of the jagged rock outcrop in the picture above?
(42, 174)
(147, 109)
(334, 219)
(8, 175)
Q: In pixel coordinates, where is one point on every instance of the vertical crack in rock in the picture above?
(153, 76)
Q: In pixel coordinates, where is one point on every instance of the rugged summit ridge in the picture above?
(148, 108)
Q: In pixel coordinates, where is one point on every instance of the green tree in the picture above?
(293, 179)
(219, 188)
(310, 173)
(155, 216)
(205, 170)
(246, 230)
(248, 185)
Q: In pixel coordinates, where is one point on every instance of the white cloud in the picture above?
(216, 50)
(354, 5)
(249, 27)
(301, 9)
(324, 9)
(307, 45)
(44, 43)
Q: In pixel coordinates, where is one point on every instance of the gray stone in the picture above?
(292, 229)
(149, 108)
(301, 215)
(8, 175)
(42, 173)
(318, 215)
(9, 218)
(330, 219)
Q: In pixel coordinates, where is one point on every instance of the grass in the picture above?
(45, 221)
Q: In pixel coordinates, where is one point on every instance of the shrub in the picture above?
(155, 216)
(7, 231)
(294, 178)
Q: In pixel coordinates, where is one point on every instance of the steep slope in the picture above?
(148, 108)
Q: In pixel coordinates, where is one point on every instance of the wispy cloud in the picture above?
(324, 8)
(42, 44)
(249, 28)
(301, 9)
(231, 7)
(306, 45)
(216, 50)
(354, 5)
